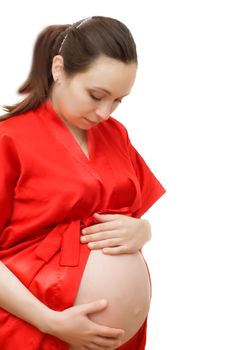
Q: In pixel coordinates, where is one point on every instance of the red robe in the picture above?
(49, 189)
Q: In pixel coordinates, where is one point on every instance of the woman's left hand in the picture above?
(117, 234)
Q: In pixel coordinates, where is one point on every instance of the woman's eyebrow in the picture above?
(100, 88)
(106, 91)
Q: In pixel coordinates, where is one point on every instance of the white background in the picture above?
(179, 118)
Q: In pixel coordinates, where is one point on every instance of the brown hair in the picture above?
(79, 44)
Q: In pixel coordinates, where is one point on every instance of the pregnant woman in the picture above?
(72, 192)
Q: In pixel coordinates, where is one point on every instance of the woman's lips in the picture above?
(90, 121)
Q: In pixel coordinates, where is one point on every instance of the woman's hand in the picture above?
(117, 234)
(74, 327)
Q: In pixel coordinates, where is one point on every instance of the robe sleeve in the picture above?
(9, 170)
(151, 188)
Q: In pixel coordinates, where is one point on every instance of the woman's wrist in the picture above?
(45, 319)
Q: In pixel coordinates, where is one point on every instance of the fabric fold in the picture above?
(66, 237)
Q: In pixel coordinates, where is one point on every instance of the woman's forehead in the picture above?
(109, 74)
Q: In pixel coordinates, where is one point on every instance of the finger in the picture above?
(107, 343)
(93, 307)
(97, 347)
(117, 250)
(109, 332)
(104, 244)
(94, 347)
(100, 227)
(98, 236)
(106, 217)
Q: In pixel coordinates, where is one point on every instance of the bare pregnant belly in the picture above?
(124, 281)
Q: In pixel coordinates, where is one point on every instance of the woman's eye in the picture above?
(100, 98)
(95, 98)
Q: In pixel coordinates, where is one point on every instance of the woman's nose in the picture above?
(103, 112)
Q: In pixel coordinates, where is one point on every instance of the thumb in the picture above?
(95, 306)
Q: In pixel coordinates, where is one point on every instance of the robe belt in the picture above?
(66, 237)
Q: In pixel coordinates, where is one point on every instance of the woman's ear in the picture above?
(57, 68)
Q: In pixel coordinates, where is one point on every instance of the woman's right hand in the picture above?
(74, 327)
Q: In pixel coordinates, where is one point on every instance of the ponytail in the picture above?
(37, 85)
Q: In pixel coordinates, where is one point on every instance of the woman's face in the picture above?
(89, 98)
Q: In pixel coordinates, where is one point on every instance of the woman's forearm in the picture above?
(19, 301)
(72, 325)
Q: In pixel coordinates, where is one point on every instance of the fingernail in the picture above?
(83, 239)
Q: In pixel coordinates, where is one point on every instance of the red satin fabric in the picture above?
(49, 190)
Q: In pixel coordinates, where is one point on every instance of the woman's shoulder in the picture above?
(17, 124)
